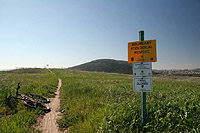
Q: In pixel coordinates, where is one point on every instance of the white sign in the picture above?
(142, 69)
(143, 84)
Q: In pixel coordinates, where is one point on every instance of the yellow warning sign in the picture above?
(142, 51)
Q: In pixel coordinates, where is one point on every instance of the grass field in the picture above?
(101, 102)
(14, 116)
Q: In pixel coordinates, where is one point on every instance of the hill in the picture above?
(123, 67)
(106, 65)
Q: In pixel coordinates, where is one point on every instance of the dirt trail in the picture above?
(48, 123)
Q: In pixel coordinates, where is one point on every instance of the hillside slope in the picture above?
(106, 65)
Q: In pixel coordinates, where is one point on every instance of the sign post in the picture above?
(143, 94)
(142, 53)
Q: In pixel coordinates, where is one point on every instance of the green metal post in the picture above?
(141, 36)
(143, 94)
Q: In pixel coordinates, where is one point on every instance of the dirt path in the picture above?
(48, 123)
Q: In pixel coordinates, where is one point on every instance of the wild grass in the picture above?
(100, 102)
(14, 116)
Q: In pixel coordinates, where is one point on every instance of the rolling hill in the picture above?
(106, 65)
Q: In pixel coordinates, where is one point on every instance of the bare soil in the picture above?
(48, 123)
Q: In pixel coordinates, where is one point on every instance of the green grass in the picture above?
(14, 116)
(100, 102)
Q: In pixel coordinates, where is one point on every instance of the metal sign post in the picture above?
(143, 94)
(142, 53)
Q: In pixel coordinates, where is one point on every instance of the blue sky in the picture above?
(65, 33)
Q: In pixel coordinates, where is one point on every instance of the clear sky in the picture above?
(65, 33)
